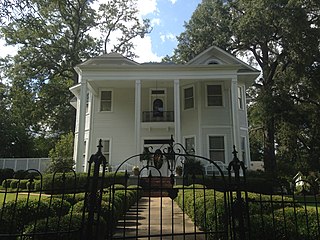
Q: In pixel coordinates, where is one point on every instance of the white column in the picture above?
(81, 125)
(177, 120)
(235, 114)
(138, 116)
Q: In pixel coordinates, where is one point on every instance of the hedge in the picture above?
(66, 227)
(271, 216)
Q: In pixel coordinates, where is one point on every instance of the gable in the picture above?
(107, 60)
(216, 56)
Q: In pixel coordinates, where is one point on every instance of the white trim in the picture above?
(216, 126)
(112, 99)
(161, 96)
(241, 97)
(193, 97)
(224, 142)
(177, 110)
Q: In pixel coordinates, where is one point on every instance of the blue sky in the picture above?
(167, 18)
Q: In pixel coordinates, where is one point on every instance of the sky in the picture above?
(167, 20)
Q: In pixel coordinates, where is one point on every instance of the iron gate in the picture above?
(157, 201)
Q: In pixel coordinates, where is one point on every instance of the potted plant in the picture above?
(135, 170)
(179, 170)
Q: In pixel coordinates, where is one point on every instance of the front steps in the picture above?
(156, 186)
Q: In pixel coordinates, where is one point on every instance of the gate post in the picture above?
(238, 206)
(94, 194)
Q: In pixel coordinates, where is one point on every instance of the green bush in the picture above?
(6, 183)
(67, 227)
(14, 183)
(22, 212)
(24, 184)
(68, 182)
(288, 223)
(6, 173)
(60, 207)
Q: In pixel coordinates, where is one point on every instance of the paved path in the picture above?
(144, 219)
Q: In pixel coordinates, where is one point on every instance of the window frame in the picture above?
(221, 150)
(194, 143)
(240, 97)
(193, 97)
(105, 152)
(111, 100)
(207, 95)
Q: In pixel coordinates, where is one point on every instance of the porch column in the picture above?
(235, 113)
(81, 125)
(138, 116)
(177, 122)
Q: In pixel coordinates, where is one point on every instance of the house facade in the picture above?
(128, 105)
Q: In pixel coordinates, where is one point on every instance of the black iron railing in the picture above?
(158, 116)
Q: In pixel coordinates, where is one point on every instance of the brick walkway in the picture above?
(145, 220)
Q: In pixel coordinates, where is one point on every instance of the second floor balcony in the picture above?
(158, 116)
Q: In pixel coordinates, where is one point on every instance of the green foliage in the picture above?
(66, 227)
(64, 182)
(284, 43)
(6, 173)
(53, 37)
(22, 212)
(62, 154)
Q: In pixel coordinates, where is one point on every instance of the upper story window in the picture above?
(240, 98)
(106, 101)
(188, 98)
(213, 61)
(214, 95)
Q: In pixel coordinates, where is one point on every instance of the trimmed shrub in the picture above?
(22, 212)
(58, 206)
(6, 183)
(68, 182)
(6, 173)
(14, 183)
(67, 227)
(23, 184)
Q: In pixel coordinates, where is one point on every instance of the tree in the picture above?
(276, 35)
(62, 154)
(52, 37)
(119, 24)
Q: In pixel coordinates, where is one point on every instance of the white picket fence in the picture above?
(41, 164)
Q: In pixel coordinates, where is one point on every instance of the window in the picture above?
(188, 98)
(157, 108)
(240, 98)
(243, 149)
(190, 145)
(106, 101)
(216, 148)
(106, 149)
(87, 103)
(214, 95)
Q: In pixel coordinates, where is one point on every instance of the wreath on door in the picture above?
(157, 159)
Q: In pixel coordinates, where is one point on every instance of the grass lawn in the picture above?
(13, 196)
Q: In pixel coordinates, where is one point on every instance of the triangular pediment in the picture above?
(108, 59)
(216, 56)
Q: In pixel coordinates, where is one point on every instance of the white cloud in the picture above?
(173, 1)
(168, 36)
(155, 21)
(143, 48)
(147, 6)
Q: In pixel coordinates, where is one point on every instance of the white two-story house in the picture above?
(131, 106)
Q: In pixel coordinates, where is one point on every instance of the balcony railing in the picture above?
(158, 116)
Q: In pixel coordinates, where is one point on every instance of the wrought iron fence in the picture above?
(102, 205)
